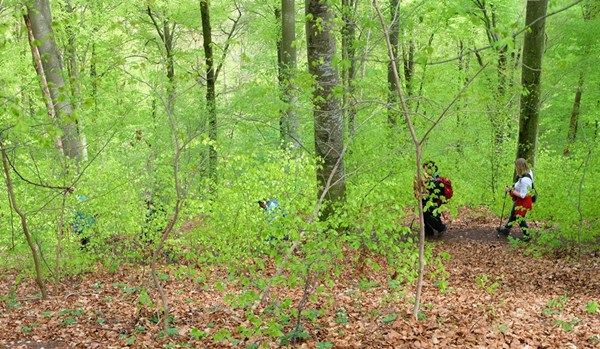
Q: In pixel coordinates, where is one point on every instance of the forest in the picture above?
(254, 173)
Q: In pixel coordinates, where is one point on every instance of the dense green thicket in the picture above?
(121, 107)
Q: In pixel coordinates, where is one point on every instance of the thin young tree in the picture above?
(420, 189)
(166, 32)
(14, 205)
(328, 116)
(531, 76)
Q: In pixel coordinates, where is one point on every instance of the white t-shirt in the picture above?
(523, 184)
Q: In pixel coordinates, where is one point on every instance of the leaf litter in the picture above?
(496, 297)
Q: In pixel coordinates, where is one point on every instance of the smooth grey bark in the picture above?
(40, 19)
(531, 75)
(328, 116)
(350, 68)
(289, 123)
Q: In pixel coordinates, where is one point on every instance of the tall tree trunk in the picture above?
(73, 73)
(289, 121)
(533, 52)
(394, 33)
(350, 68)
(329, 128)
(40, 20)
(210, 89)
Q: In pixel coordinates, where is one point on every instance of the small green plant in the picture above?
(68, 321)
(11, 301)
(324, 345)
(340, 317)
(26, 329)
(170, 332)
(222, 335)
(484, 282)
(503, 328)
(555, 306)
(566, 325)
(312, 314)
(592, 307)
(388, 319)
(197, 334)
(298, 334)
(364, 285)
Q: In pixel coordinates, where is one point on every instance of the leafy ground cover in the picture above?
(494, 295)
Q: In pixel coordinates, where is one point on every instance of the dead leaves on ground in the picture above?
(496, 297)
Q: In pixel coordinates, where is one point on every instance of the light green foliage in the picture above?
(592, 307)
(555, 306)
(490, 285)
(122, 111)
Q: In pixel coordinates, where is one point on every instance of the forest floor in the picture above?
(497, 296)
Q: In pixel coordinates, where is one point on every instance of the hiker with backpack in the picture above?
(522, 197)
(439, 191)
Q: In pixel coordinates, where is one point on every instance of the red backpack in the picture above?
(447, 190)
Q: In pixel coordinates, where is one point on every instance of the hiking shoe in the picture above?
(503, 230)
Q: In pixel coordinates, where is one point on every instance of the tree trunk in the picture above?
(394, 33)
(575, 112)
(533, 52)
(289, 121)
(210, 89)
(40, 19)
(349, 56)
(590, 11)
(328, 126)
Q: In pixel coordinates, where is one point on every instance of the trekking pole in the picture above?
(502, 214)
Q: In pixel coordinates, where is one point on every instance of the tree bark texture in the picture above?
(210, 88)
(349, 56)
(533, 52)
(40, 18)
(289, 122)
(394, 33)
(575, 112)
(328, 117)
